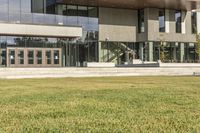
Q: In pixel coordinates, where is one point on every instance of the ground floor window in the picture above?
(39, 57)
(21, 57)
(48, 57)
(30, 57)
(168, 52)
(12, 56)
(68, 52)
(118, 52)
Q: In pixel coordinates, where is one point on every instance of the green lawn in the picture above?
(122, 104)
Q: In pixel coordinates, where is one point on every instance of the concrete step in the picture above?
(94, 72)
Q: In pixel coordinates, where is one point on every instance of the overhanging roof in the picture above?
(138, 4)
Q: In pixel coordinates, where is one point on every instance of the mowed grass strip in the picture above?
(111, 104)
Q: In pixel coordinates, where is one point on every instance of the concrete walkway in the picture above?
(15, 73)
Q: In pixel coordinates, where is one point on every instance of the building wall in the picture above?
(117, 24)
(171, 36)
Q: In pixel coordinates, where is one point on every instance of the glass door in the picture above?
(2, 57)
(12, 56)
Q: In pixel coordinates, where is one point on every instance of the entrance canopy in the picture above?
(138, 4)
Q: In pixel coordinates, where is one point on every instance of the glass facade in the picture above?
(194, 22)
(119, 52)
(178, 18)
(48, 12)
(46, 51)
(141, 24)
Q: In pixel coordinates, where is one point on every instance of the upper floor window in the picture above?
(93, 12)
(61, 9)
(194, 22)
(37, 6)
(50, 6)
(161, 19)
(82, 11)
(72, 10)
(43, 6)
(178, 17)
(141, 26)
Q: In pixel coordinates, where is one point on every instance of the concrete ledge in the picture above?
(140, 65)
(179, 64)
(15, 73)
(100, 64)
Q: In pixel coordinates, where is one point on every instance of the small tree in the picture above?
(197, 47)
(162, 51)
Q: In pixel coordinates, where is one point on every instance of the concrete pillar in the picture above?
(167, 20)
(63, 57)
(198, 22)
(141, 51)
(183, 22)
(150, 51)
(182, 54)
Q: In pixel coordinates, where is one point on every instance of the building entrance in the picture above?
(78, 54)
(33, 57)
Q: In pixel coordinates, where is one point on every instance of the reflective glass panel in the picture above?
(178, 16)
(21, 57)
(48, 56)
(39, 57)
(30, 57)
(37, 6)
(71, 10)
(56, 56)
(161, 19)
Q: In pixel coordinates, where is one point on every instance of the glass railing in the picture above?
(48, 19)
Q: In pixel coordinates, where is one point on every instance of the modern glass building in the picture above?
(65, 33)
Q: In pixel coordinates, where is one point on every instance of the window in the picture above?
(82, 11)
(194, 22)
(50, 6)
(161, 19)
(37, 6)
(141, 21)
(14, 11)
(30, 57)
(26, 6)
(56, 56)
(61, 9)
(4, 10)
(92, 12)
(39, 57)
(12, 56)
(178, 18)
(4, 6)
(48, 57)
(21, 57)
(71, 10)
(3, 57)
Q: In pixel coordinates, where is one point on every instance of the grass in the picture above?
(121, 104)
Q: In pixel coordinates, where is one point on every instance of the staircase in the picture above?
(118, 50)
